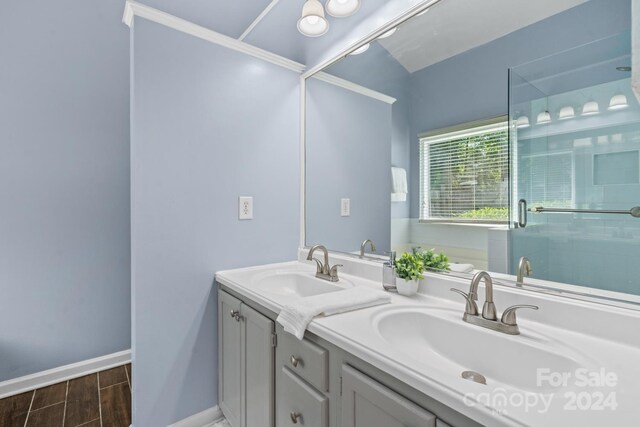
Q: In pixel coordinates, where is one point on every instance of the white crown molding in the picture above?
(206, 418)
(63, 373)
(133, 8)
(260, 17)
(353, 87)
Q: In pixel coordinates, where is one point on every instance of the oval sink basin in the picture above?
(298, 284)
(424, 334)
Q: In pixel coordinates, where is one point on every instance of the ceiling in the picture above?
(452, 27)
(449, 28)
(276, 31)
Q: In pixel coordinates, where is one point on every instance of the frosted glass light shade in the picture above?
(566, 113)
(522, 122)
(543, 118)
(361, 49)
(590, 108)
(618, 102)
(342, 8)
(313, 23)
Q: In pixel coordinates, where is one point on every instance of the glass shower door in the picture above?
(575, 162)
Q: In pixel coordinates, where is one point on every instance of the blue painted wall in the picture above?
(207, 129)
(385, 74)
(347, 156)
(473, 85)
(64, 184)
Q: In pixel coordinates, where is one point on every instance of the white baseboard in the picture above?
(63, 373)
(205, 418)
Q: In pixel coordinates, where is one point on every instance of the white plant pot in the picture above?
(407, 287)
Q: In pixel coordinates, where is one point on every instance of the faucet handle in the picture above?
(319, 266)
(334, 270)
(472, 307)
(509, 315)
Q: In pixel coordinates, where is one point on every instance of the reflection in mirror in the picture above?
(488, 133)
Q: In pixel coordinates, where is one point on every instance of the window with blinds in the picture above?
(464, 174)
(548, 179)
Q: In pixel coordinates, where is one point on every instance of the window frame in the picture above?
(460, 128)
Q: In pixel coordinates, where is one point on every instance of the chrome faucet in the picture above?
(323, 270)
(489, 319)
(489, 308)
(364, 245)
(524, 268)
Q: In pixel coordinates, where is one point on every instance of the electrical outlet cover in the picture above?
(245, 207)
(345, 207)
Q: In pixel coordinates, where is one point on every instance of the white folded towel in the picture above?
(398, 197)
(399, 180)
(461, 268)
(296, 316)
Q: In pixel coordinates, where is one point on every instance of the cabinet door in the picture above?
(367, 403)
(258, 361)
(299, 403)
(229, 360)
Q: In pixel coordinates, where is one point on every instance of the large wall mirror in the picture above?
(489, 132)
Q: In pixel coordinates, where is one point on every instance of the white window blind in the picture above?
(549, 179)
(464, 174)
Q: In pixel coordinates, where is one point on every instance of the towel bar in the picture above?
(634, 212)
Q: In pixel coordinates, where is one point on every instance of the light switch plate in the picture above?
(245, 207)
(345, 207)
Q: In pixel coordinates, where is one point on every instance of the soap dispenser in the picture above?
(389, 272)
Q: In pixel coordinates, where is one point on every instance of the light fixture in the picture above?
(388, 33)
(313, 23)
(566, 113)
(342, 8)
(522, 122)
(618, 102)
(543, 118)
(590, 108)
(361, 49)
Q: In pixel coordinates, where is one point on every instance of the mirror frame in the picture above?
(558, 289)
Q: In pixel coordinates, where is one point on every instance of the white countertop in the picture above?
(601, 339)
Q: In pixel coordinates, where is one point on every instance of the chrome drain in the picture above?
(475, 377)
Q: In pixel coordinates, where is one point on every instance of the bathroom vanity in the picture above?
(400, 364)
(267, 377)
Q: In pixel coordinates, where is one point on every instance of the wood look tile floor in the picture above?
(102, 399)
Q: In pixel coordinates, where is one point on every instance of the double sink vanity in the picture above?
(407, 151)
(414, 361)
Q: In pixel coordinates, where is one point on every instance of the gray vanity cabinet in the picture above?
(269, 378)
(367, 403)
(246, 364)
(299, 403)
(302, 383)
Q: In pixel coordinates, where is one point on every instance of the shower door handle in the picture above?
(522, 213)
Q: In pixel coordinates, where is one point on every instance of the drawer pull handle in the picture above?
(295, 417)
(235, 314)
(295, 361)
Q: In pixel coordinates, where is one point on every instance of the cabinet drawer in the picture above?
(367, 403)
(306, 359)
(299, 404)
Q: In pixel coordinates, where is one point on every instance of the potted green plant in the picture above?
(409, 271)
(433, 261)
